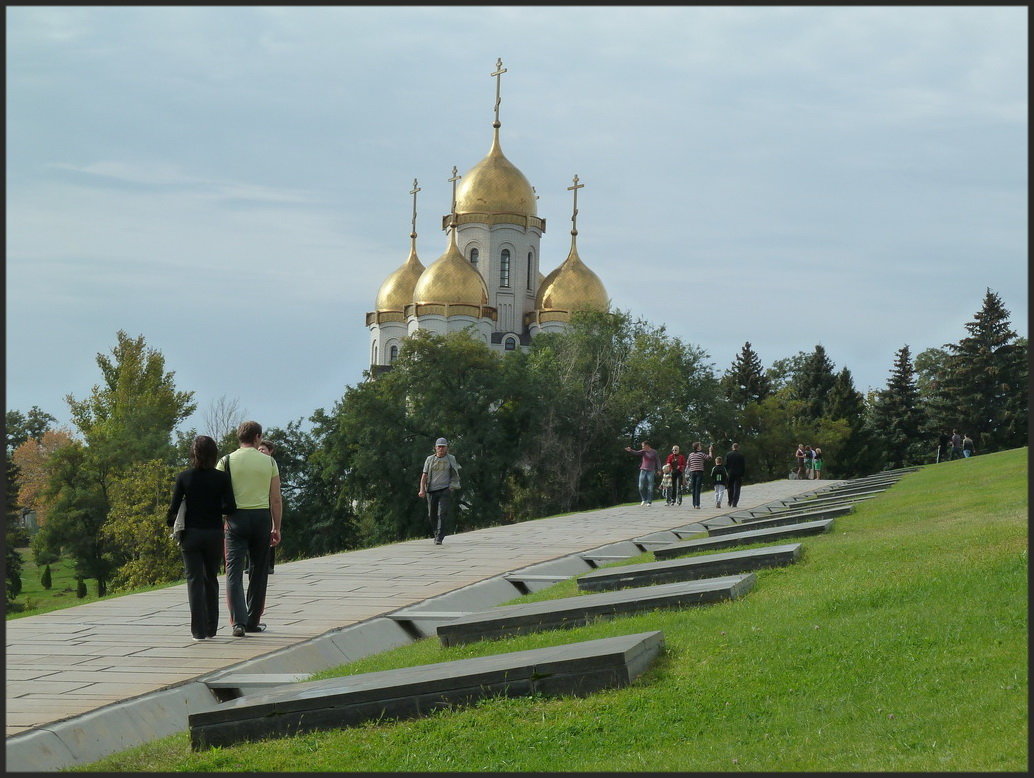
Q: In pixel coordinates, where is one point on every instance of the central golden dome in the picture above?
(572, 287)
(397, 290)
(451, 279)
(494, 185)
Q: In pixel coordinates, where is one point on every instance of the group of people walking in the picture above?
(233, 511)
(955, 446)
(808, 462)
(678, 469)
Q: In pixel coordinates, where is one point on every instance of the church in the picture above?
(488, 278)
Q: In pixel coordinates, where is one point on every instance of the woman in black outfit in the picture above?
(209, 497)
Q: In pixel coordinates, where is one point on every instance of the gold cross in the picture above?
(413, 192)
(455, 177)
(498, 79)
(574, 216)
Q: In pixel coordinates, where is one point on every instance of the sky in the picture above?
(233, 183)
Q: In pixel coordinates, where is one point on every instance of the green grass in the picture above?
(34, 599)
(897, 643)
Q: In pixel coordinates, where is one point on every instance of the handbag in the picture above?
(180, 524)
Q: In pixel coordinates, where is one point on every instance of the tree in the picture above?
(19, 427)
(46, 580)
(314, 526)
(984, 384)
(782, 424)
(136, 524)
(860, 453)
(78, 509)
(32, 458)
(12, 536)
(812, 383)
(745, 381)
(221, 419)
(898, 417)
(130, 416)
(126, 421)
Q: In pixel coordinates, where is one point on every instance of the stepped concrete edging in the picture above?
(743, 538)
(566, 669)
(690, 568)
(569, 612)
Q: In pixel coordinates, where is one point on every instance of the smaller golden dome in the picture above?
(495, 185)
(397, 290)
(572, 287)
(451, 279)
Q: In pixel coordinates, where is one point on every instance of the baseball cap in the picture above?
(441, 442)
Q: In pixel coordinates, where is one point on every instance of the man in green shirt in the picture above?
(253, 529)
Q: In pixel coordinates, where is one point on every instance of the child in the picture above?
(720, 476)
(666, 485)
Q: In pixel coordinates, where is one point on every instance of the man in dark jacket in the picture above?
(737, 466)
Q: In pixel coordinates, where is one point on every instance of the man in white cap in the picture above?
(439, 479)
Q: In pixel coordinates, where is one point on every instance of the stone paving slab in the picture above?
(339, 590)
(571, 668)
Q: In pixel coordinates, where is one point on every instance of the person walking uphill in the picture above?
(695, 465)
(649, 465)
(252, 529)
(209, 497)
(439, 478)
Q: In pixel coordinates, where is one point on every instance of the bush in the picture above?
(45, 580)
(80, 588)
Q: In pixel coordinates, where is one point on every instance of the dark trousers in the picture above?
(676, 486)
(247, 535)
(696, 481)
(202, 551)
(735, 482)
(439, 506)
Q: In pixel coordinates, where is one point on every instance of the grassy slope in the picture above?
(898, 643)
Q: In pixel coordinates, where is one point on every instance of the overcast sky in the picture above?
(233, 183)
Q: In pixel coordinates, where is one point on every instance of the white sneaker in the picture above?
(642, 503)
(649, 504)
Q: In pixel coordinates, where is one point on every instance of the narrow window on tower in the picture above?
(529, 270)
(510, 344)
(474, 257)
(504, 268)
(394, 354)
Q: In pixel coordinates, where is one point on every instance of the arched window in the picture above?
(529, 271)
(474, 254)
(510, 344)
(504, 268)
(394, 354)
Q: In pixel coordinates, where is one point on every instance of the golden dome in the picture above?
(397, 290)
(494, 185)
(451, 279)
(572, 287)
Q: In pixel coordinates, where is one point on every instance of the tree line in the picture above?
(538, 432)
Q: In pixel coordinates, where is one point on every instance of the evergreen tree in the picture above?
(812, 384)
(46, 580)
(745, 381)
(858, 455)
(13, 535)
(898, 417)
(985, 380)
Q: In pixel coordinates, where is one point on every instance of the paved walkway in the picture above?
(69, 662)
